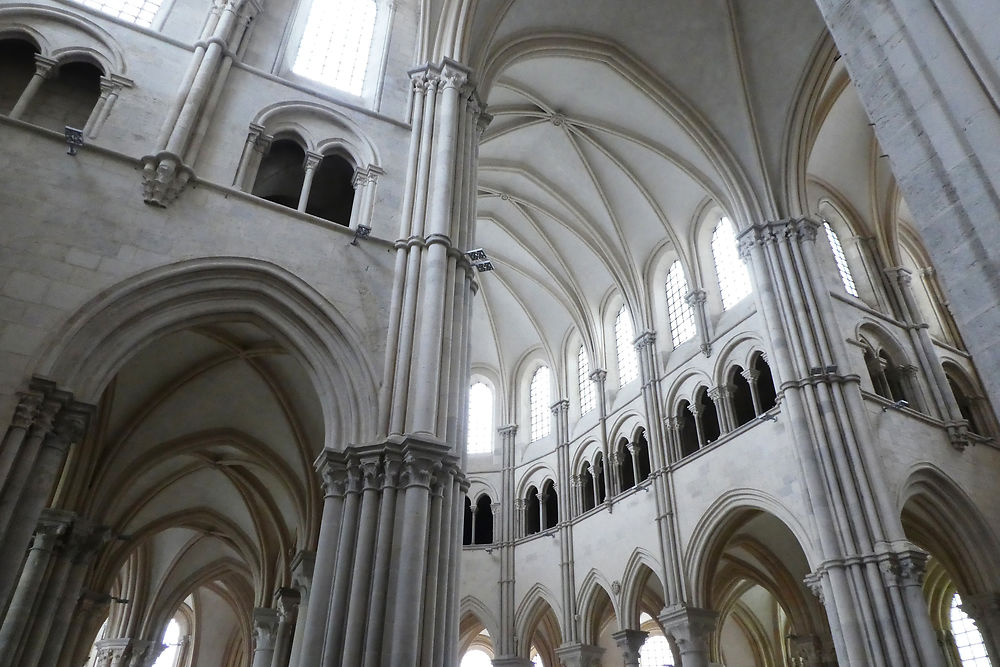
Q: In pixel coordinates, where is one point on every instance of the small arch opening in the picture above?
(767, 396)
(483, 521)
(17, 66)
(331, 196)
(625, 465)
(551, 499)
(532, 514)
(587, 487)
(687, 429)
(467, 523)
(281, 173)
(68, 97)
(641, 445)
(743, 409)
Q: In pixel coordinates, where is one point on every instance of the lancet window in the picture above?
(587, 399)
(734, 279)
(479, 439)
(628, 360)
(538, 398)
(679, 311)
(336, 43)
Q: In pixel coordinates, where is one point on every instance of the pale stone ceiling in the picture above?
(617, 127)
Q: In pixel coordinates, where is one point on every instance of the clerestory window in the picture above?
(734, 279)
(587, 399)
(336, 43)
(139, 12)
(628, 360)
(538, 397)
(679, 311)
(480, 429)
(968, 640)
(841, 259)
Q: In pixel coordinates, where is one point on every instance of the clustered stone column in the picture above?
(875, 622)
(47, 422)
(167, 171)
(380, 596)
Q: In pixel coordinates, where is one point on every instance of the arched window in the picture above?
(678, 309)
(628, 360)
(841, 259)
(17, 66)
(587, 399)
(734, 279)
(538, 397)
(480, 430)
(708, 416)
(171, 639)
(968, 640)
(336, 43)
(139, 12)
(482, 525)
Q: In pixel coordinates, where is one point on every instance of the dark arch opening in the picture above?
(627, 469)
(281, 173)
(965, 406)
(532, 517)
(642, 455)
(331, 196)
(551, 504)
(742, 398)
(767, 396)
(68, 98)
(483, 520)
(602, 489)
(467, 523)
(688, 430)
(892, 377)
(17, 66)
(709, 416)
(587, 486)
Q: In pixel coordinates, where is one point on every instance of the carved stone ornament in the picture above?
(814, 582)
(164, 176)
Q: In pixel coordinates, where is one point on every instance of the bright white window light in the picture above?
(587, 399)
(838, 255)
(476, 658)
(628, 360)
(679, 311)
(538, 397)
(480, 435)
(335, 45)
(655, 652)
(734, 279)
(171, 639)
(968, 640)
(139, 12)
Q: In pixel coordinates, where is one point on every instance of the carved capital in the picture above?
(814, 582)
(629, 642)
(265, 627)
(904, 568)
(333, 472)
(645, 339)
(562, 405)
(418, 471)
(286, 602)
(599, 376)
(750, 375)
(690, 627)
(45, 67)
(696, 298)
(508, 431)
(311, 161)
(27, 407)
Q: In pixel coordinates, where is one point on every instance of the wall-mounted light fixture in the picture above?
(74, 139)
(361, 232)
(480, 260)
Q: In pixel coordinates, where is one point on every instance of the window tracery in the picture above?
(479, 437)
(336, 43)
(587, 399)
(734, 279)
(538, 398)
(679, 311)
(841, 259)
(139, 12)
(628, 359)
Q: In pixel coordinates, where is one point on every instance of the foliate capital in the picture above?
(696, 297)
(645, 339)
(904, 568)
(265, 627)
(599, 375)
(27, 407)
(418, 471)
(333, 471)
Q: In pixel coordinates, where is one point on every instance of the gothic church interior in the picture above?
(499, 332)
